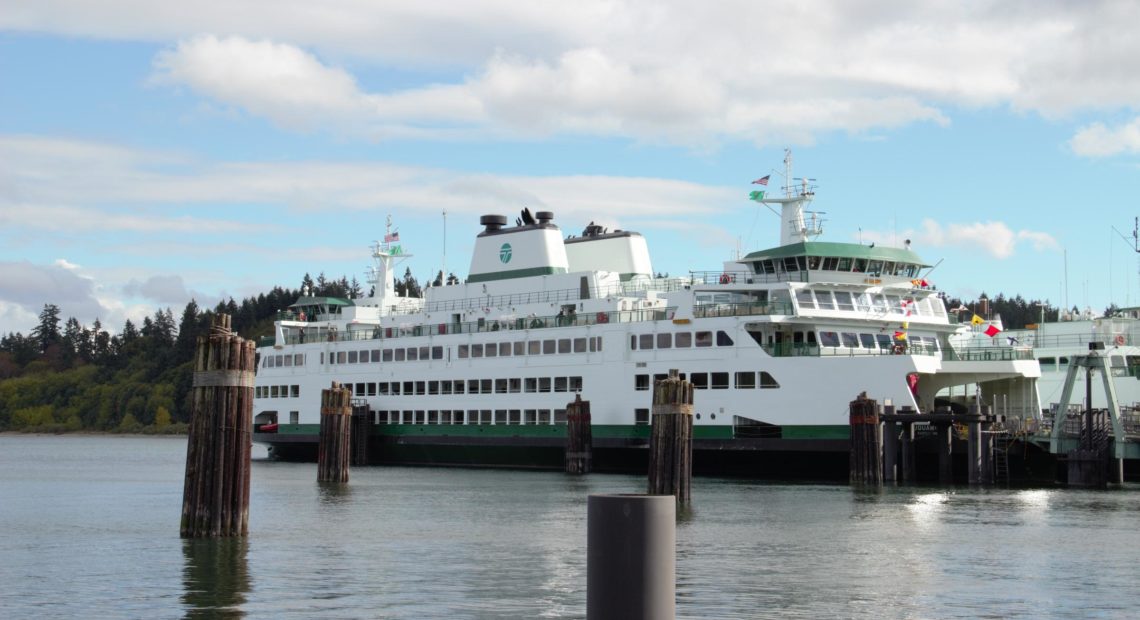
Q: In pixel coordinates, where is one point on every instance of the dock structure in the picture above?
(215, 498)
(899, 441)
(671, 438)
(335, 450)
(866, 441)
(579, 437)
(1101, 446)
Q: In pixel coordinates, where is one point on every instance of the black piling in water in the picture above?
(579, 437)
(944, 445)
(215, 497)
(361, 423)
(335, 448)
(631, 557)
(909, 471)
(671, 438)
(866, 465)
(890, 447)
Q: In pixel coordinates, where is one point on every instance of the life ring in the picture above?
(724, 278)
(1120, 340)
(603, 317)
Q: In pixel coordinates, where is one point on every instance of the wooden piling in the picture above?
(866, 441)
(335, 448)
(579, 437)
(671, 438)
(215, 497)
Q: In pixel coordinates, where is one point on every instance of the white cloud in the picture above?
(1097, 140)
(994, 238)
(29, 286)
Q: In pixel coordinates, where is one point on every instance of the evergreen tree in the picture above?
(47, 332)
(438, 281)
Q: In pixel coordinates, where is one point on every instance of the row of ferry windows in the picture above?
(678, 340)
(282, 361)
(532, 347)
(473, 416)
(852, 340)
(837, 263)
(364, 356)
(277, 391)
(867, 302)
(746, 380)
(513, 385)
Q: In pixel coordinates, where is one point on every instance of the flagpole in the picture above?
(444, 272)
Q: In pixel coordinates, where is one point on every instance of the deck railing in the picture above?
(989, 354)
(748, 308)
(795, 349)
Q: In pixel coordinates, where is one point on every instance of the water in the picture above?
(89, 528)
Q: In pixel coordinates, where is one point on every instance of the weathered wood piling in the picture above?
(334, 449)
(866, 441)
(671, 438)
(215, 497)
(579, 437)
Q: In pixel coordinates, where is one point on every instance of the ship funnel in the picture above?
(493, 223)
(544, 216)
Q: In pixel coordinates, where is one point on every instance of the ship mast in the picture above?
(386, 255)
(794, 228)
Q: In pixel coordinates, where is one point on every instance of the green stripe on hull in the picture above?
(515, 273)
(602, 431)
(834, 431)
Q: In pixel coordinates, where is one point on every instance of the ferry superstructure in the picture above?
(777, 343)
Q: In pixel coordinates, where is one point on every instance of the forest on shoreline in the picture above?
(65, 377)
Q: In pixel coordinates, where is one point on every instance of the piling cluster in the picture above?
(215, 499)
(671, 438)
(335, 449)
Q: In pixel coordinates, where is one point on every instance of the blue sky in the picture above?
(154, 152)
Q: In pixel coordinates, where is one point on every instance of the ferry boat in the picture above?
(776, 342)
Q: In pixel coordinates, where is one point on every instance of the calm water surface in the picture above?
(89, 528)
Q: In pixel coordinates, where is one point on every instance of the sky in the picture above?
(155, 152)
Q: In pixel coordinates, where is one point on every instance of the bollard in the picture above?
(630, 557)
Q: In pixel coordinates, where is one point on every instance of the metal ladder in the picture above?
(1002, 442)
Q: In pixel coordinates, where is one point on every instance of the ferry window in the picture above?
(514, 386)
(683, 340)
(433, 387)
(579, 345)
(860, 265)
(767, 381)
(399, 355)
(457, 416)
(530, 384)
(273, 391)
(1062, 362)
(534, 347)
(704, 339)
(723, 339)
(829, 339)
(548, 347)
(500, 386)
(457, 387)
(371, 388)
(437, 353)
(289, 360)
(575, 384)
(798, 338)
(444, 387)
(419, 416)
(884, 341)
(850, 340)
(881, 303)
(420, 388)
(664, 341)
(484, 416)
(923, 307)
(492, 350)
(559, 416)
(700, 380)
(641, 416)
(413, 354)
(433, 417)
(745, 380)
(394, 388)
(863, 301)
(791, 264)
(476, 350)
(632, 342)
(830, 263)
(867, 340)
(803, 296)
(844, 264)
(485, 386)
(895, 304)
(888, 268)
(520, 348)
(504, 349)
(560, 384)
(472, 416)
(295, 391)
(843, 299)
(363, 357)
(406, 416)
(595, 344)
(563, 345)
(544, 384)
(825, 300)
(500, 416)
(645, 341)
(374, 355)
(425, 353)
(720, 380)
(278, 363)
(544, 417)
(294, 417)
(341, 357)
(388, 355)
(472, 386)
(463, 351)
(352, 357)
(269, 361)
(530, 416)
(937, 306)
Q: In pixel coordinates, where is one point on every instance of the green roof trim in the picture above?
(305, 302)
(839, 250)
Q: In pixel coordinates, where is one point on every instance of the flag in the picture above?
(1012, 340)
(756, 195)
(900, 335)
(389, 238)
(992, 331)
(977, 320)
(762, 180)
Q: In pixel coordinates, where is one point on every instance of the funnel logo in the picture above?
(505, 253)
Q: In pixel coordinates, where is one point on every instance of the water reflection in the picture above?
(215, 578)
(334, 493)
